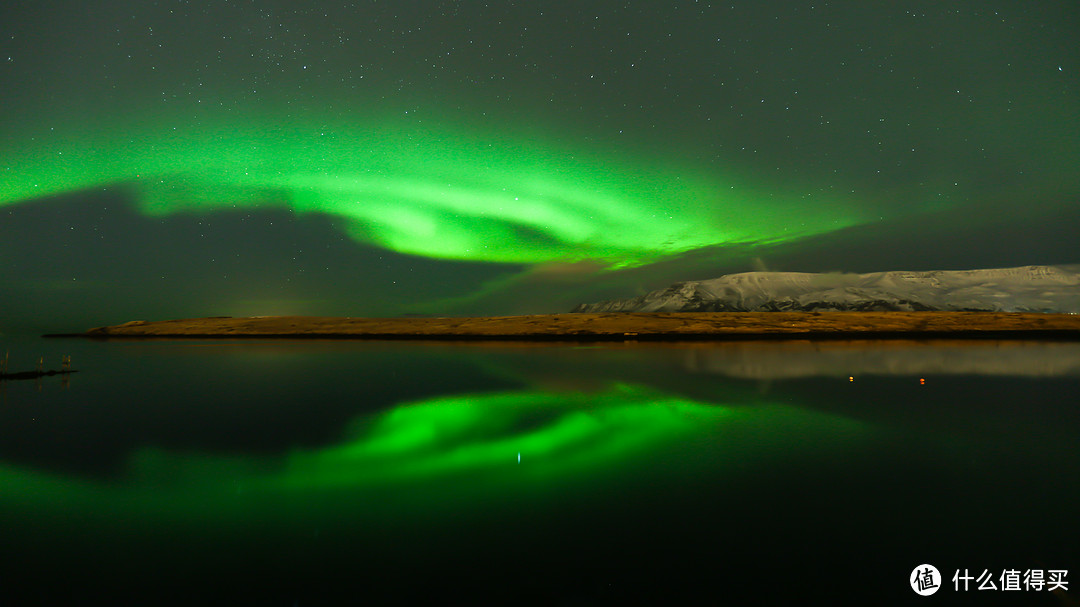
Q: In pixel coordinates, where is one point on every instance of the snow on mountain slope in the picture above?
(1023, 289)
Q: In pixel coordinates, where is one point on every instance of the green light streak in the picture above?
(450, 435)
(434, 193)
(467, 446)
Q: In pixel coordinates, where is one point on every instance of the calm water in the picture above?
(313, 473)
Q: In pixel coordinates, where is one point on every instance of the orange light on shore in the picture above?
(922, 381)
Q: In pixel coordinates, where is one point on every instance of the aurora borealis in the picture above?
(170, 159)
(428, 194)
(457, 157)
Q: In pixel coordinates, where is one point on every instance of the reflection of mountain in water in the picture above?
(824, 359)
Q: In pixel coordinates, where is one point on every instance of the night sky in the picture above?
(164, 159)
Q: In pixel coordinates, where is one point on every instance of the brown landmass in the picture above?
(620, 326)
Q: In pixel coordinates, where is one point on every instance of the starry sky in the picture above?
(170, 158)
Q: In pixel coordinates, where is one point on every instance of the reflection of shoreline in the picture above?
(790, 360)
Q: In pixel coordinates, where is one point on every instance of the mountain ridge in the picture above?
(1036, 288)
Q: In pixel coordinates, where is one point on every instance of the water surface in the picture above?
(308, 473)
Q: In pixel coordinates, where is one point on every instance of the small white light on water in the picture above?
(519, 457)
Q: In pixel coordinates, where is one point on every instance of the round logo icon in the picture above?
(925, 580)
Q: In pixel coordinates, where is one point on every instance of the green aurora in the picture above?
(454, 450)
(430, 192)
(449, 157)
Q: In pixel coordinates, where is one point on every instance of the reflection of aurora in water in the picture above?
(448, 196)
(471, 442)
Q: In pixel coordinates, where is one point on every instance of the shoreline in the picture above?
(34, 374)
(616, 326)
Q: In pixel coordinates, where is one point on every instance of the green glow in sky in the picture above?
(436, 193)
(481, 446)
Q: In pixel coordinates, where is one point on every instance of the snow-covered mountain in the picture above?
(1023, 289)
